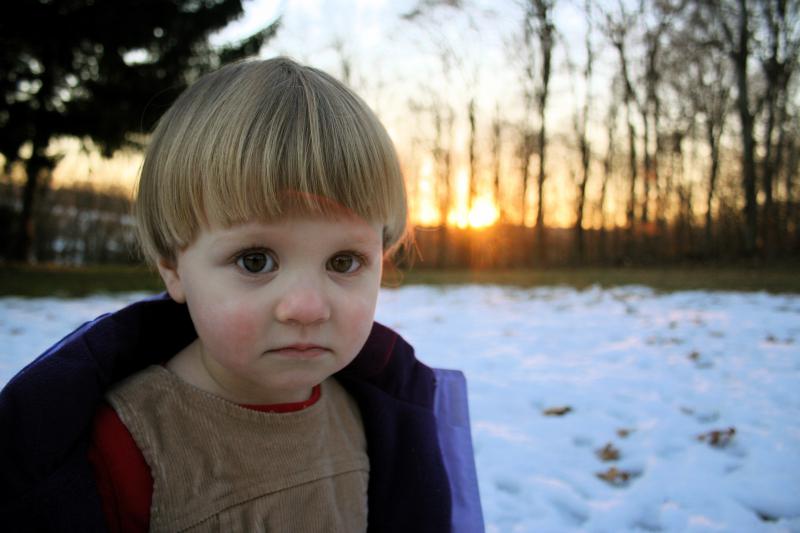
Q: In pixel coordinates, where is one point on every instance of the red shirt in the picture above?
(123, 476)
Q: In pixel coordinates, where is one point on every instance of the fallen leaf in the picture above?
(624, 432)
(557, 411)
(694, 356)
(719, 438)
(608, 453)
(616, 477)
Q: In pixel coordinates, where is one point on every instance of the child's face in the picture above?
(278, 306)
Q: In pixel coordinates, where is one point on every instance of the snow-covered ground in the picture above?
(598, 410)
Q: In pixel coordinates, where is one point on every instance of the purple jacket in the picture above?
(422, 475)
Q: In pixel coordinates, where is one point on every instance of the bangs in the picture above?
(258, 141)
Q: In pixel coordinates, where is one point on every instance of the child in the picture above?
(260, 395)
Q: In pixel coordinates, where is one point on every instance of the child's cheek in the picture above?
(361, 316)
(234, 328)
(240, 325)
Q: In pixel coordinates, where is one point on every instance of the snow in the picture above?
(658, 376)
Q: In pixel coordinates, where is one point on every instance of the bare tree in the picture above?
(617, 29)
(791, 176)
(497, 156)
(779, 62)
(525, 150)
(526, 144)
(733, 17)
(472, 178)
(538, 20)
(581, 125)
(651, 106)
(443, 118)
(608, 163)
(701, 79)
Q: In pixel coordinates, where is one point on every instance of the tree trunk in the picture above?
(24, 249)
(629, 99)
(792, 212)
(579, 234)
(546, 32)
(473, 179)
(583, 143)
(739, 56)
(712, 138)
(525, 156)
(497, 140)
(768, 168)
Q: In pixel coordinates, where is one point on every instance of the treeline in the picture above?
(508, 246)
(678, 139)
(683, 139)
(75, 225)
(81, 224)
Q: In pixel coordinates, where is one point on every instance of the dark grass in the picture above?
(773, 279)
(61, 281)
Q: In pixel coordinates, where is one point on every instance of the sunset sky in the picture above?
(394, 62)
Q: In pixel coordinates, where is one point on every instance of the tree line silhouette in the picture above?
(694, 137)
(687, 149)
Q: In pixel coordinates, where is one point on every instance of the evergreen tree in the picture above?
(99, 69)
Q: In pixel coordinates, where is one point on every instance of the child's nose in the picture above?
(304, 304)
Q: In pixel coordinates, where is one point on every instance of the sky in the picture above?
(394, 62)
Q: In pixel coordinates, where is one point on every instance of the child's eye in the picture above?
(257, 262)
(344, 263)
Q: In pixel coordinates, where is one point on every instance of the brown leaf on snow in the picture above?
(719, 438)
(615, 476)
(560, 410)
(624, 432)
(694, 356)
(607, 453)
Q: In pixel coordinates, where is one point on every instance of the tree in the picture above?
(581, 122)
(608, 161)
(497, 149)
(778, 57)
(539, 22)
(706, 87)
(93, 69)
(617, 29)
(734, 20)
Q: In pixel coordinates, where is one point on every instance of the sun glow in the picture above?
(484, 213)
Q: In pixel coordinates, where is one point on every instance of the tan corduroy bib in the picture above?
(220, 467)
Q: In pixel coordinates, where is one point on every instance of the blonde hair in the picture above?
(260, 139)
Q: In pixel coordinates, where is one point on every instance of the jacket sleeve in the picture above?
(453, 426)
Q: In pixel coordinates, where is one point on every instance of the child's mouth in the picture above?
(300, 350)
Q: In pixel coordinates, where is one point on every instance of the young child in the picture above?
(259, 395)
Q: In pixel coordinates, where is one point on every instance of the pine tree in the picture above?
(103, 70)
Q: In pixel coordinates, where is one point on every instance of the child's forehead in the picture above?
(306, 227)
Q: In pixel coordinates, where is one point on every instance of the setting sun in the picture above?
(484, 213)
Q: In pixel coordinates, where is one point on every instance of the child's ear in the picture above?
(169, 273)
